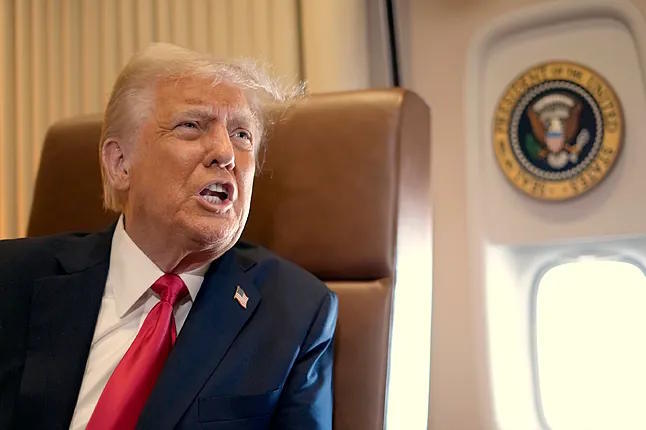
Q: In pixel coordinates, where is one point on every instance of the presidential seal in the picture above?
(558, 130)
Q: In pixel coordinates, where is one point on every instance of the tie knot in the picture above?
(170, 288)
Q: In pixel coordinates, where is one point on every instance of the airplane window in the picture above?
(590, 345)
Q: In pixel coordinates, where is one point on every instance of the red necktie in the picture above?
(127, 390)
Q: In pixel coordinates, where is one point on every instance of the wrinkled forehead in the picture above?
(201, 95)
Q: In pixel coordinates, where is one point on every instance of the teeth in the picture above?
(212, 199)
(216, 188)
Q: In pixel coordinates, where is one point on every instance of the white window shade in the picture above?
(591, 345)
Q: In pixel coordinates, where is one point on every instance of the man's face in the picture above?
(192, 168)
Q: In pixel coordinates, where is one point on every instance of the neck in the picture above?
(170, 254)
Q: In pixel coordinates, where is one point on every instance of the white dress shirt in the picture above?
(126, 301)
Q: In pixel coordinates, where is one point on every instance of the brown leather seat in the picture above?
(345, 175)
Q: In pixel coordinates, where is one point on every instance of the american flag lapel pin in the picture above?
(241, 297)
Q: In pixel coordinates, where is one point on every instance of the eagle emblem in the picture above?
(556, 135)
(558, 130)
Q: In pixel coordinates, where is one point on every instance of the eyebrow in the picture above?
(205, 113)
(195, 101)
(239, 116)
(245, 116)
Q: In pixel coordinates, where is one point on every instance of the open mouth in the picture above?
(218, 193)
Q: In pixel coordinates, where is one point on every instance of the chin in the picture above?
(219, 234)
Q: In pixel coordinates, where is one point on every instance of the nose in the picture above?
(219, 149)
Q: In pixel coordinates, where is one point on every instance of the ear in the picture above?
(116, 164)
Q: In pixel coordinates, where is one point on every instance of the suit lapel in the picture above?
(64, 311)
(211, 327)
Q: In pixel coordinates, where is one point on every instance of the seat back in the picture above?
(344, 174)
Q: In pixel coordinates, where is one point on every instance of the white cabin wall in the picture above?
(434, 39)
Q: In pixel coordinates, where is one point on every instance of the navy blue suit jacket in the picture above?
(267, 366)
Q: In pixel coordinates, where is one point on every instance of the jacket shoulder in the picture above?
(34, 257)
(305, 304)
(271, 268)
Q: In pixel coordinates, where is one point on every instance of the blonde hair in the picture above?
(132, 98)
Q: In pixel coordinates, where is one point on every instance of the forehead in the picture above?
(175, 95)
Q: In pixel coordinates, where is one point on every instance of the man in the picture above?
(165, 321)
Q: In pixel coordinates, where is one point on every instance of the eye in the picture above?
(188, 124)
(188, 130)
(243, 137)
(241, 134)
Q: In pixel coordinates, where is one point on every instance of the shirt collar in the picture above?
(132, 273)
